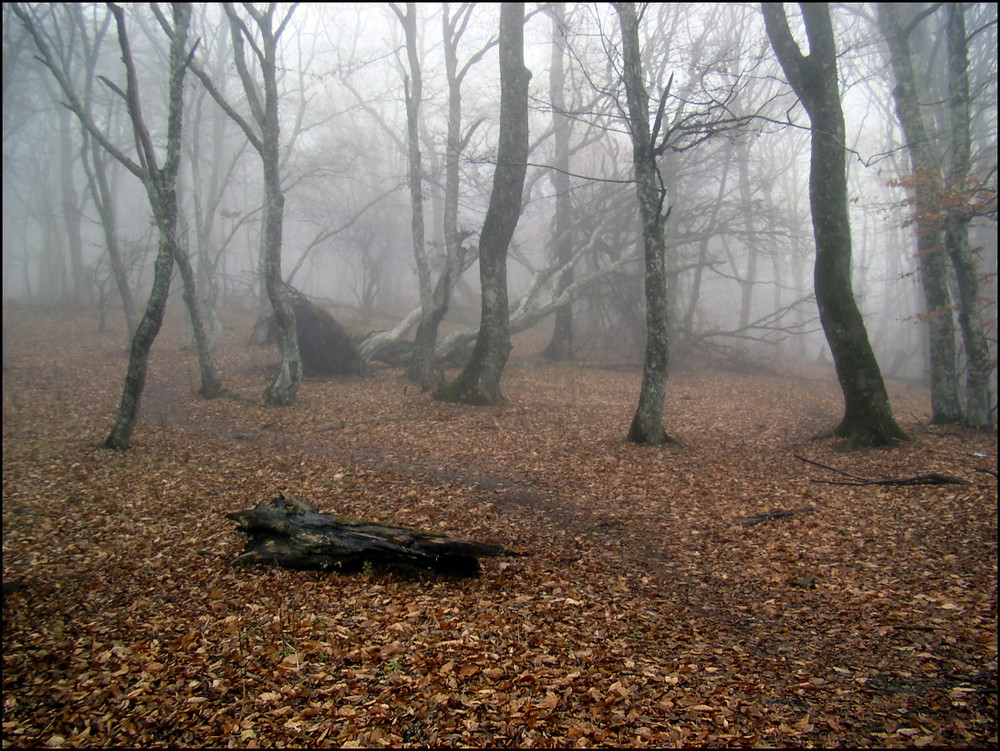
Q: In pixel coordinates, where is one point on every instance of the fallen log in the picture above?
(289, 532)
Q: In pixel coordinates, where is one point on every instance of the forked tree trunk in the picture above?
(479, 382)
(868, 418)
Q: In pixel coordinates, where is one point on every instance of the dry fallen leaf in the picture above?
(643, 615)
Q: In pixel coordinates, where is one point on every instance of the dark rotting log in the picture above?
(289, 532)
(325, 346)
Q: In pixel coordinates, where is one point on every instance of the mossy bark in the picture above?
(868, 418)
(479, 382)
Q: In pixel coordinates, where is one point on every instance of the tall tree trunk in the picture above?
(749, 281)
(160, 186)
(560, 347)
(72, 210)
(945, 405)
(285, 385)
(120, 437)
(647, 424)
(421, 367)
(479, 381)
(977, 351)
(211, 386)
(868, 416)
(104, 200)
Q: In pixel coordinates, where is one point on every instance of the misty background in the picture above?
(740, 243)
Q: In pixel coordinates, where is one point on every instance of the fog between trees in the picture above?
(376, 105)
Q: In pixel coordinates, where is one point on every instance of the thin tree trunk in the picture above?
(104, 199)
(161, 189)
(977, 351)
(479, 382)
(868, 416)
(421, 367)
(120, 437)
(647, 424)
(945, 405)
(560, 347)
(72, 210)
(211, 386)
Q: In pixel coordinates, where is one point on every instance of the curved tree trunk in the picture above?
(868, 418)
(479, 382)
(135, 377)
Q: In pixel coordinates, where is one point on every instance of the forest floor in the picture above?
(645, 613)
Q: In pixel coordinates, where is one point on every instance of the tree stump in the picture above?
(289, 532)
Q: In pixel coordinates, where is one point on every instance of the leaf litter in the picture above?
(645, 614)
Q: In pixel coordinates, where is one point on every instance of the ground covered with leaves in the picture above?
(650, 610)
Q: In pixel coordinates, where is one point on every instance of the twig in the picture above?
(826, 466)
(768, 515)
(932, 478)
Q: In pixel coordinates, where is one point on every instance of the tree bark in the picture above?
(264, 110)
(868, 418)
(978, 413)
(289, 532)
(161, 188)
(72, 210)
(479, 382)
(421, 367)
(560, 347)
(104, 200)
(945, 405)
(647, 423)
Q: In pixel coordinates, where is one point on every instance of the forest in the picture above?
(499, 375)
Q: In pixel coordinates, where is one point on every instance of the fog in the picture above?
(736, 169)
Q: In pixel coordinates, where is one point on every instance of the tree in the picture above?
(264, 136)
(926, 166)
(479, 381)
(868, 418)
(421, 366)
(160, 183)
(560, 347)
(958, 218)
(647, 424)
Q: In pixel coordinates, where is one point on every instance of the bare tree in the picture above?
(927, 181)
(868, 416)
(647, 423)
(479, 381)
(263, 134)
(978, 413)
(160, 184)
(421, 365)
(560, 347)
